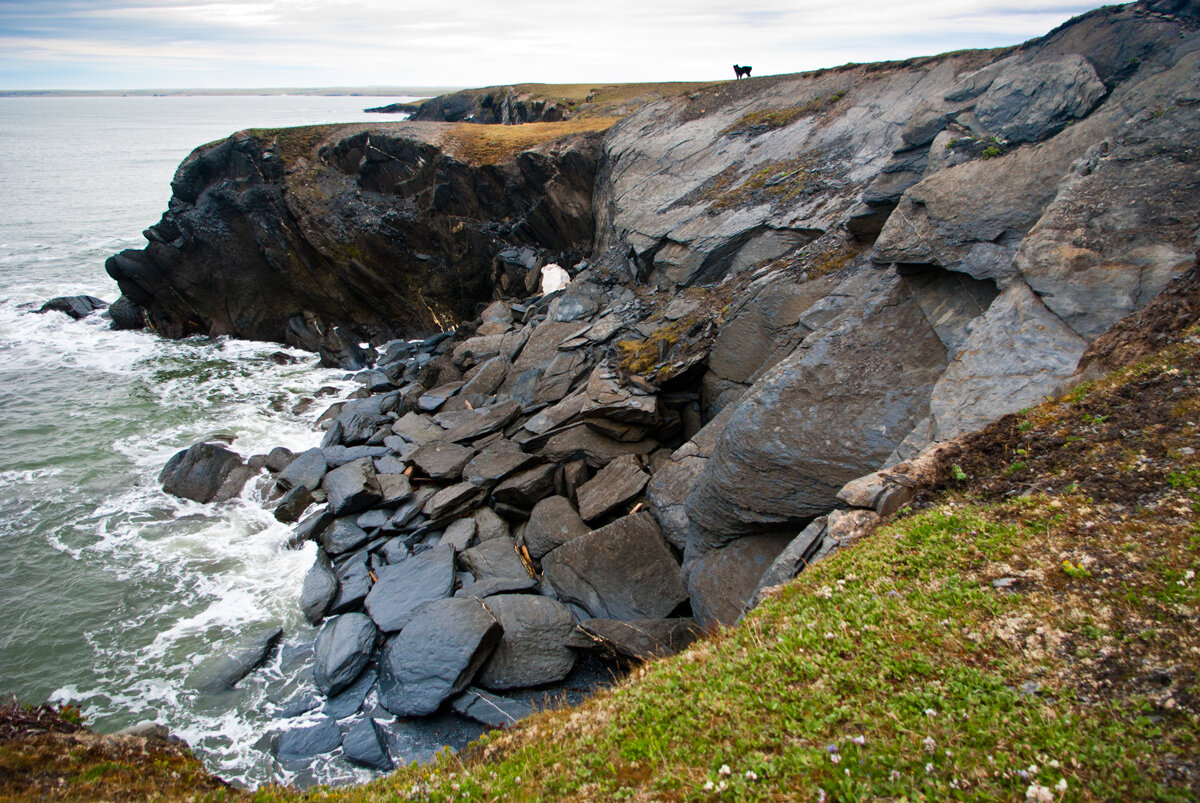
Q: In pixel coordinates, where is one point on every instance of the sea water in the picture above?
(111, 592)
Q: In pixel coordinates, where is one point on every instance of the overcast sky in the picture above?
(139, 44)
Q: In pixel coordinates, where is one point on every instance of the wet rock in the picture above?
(204, 472)
(622, 571)
(338, 455)
(278, 459)
(404, 586)
(613, 486)
(341, 652)
(319, 588)
(642, 639)
(77, 307)
(353, 584)
(310, 529)
(428, 402)
(490, 709)
(497, 569)
(450, 499)
(436, 655)
(349, 700)
(794, 558)
(303, 744)
(342, 536)
(442, 460)
(340, 349)
(293, 504)
(126, 315)
(366, 746)
(527, 487)
(532, 651)
(722, 582)
(224, 672)
(552, 523)
(307, 470)
(352, 487)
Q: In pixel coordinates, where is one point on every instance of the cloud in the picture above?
(478, 42)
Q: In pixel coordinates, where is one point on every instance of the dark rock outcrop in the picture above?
(204, 472)
(76, 307)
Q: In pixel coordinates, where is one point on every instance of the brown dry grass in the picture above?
(492, 144)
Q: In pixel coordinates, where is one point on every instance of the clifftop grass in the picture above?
(492, 144)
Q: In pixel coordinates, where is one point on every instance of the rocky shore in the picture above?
(788, 294)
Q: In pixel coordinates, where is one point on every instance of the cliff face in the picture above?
(284, 235)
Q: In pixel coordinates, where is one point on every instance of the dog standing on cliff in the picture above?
(741, 72)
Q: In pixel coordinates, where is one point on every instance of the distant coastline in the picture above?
(365, 91)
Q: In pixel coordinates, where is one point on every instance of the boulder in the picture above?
(489, 420)
(613, 486)
(490, 709)
(338, 455)
(486, 378)
(293, 504)
(582, 442)
(311, 528)
(416, 428)
(667, 493)
(352, 487)
(340, 349)
(442, 460)
(303, 744)
(354, 583)
(622, 571)
(320, 585)
(450, 499)
(1030, 101)
(342, 536)
(532, 651)
(224, 671)
(341, 652)
(527, 487)
(393, 488)
(552, 523)
(365, 745)
(436, 655)
(428, 402)
(642, 639)
(497, 569)
(349, 700)
(460, 534)
(404, 586)
(307, 469)
(126, 315)
(489, 525)
(76, 307)
(495, 463)
(204, 472)
(722, 582)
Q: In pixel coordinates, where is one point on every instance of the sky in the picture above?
(172, 44)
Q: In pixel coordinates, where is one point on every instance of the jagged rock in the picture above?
(450, 499)
(365, 745)
(1029, 102)
(442, 460)
(490, 709)
(307, 469)
(581, 442)
(532, 651)
(436, 655)
(416, 428)
(337, 456)
(487, 377)
(341, 652)
(794, 558)
(320, 585)
(606, 398)
(428, 402)
(497, 569)
(460, 534)
(722, 582)
(613, 486)
(77, 307)
(556, 416)
(495, 463)
(278, 459)
(311, 528)
(489, 420)
(525, 488)
(126, 315)
(642, 639)
(204, 472)
(342, 536)
(293, 504)
(489, 525)
(352, 487)
(552, 523)
(353, 584)
(224, 671)
(302, 744)
(402, 587)
(622, 571)
(393, 488)
(340, 349)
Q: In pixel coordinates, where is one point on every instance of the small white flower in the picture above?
(1061, 786)
(708, 786)
(929, 712)
(1038, 794)
(829, 635)
(928, 767)
(894, 775)
(930, 744)
(751, 775)
(859, 740)
(1032, 769)
(725, 771)
(1053, 763)
(722, 786)
(836, 758)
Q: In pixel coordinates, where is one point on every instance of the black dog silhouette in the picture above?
(741, 72)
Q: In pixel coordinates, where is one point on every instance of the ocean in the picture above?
(114, 591)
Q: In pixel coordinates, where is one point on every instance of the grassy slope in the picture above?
(897, 670)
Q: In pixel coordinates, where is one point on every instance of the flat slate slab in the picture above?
(306, 469)
(352, 487)
(416, 428)
(496, 568)
(404, 586)
(552, 523)
(533, 650)
(302, 744)
(642, 639)
(490, 709)
(365, 745)
(622, 571)
(341, 652)
(613, 486)
(436, 655)
(319, 587)
(442, 460)
(495, 463)
(224, 671)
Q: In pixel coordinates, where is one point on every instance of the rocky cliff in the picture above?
(794, 282)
